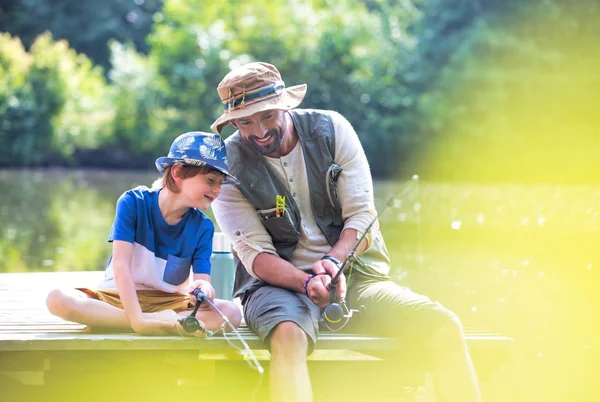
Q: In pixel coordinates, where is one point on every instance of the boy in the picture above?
(157, 235)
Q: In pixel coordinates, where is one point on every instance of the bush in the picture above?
(52, 101)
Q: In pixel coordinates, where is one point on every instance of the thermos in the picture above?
(223, 270)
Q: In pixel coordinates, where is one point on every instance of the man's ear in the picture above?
(234, 123)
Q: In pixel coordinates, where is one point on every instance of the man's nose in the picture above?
(261, 131)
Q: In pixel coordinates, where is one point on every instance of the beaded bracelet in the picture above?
(306, 283)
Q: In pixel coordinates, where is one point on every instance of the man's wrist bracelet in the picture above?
(337, 262)
(306, 283)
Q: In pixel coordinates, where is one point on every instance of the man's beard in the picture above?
(271, 147)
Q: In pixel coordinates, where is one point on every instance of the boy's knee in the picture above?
(57, 303)
(233, 313)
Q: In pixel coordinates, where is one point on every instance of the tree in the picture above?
(87, 25)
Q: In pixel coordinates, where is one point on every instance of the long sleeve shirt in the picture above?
(240, 222)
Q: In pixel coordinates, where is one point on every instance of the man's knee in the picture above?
(287, 337)
(449, 330)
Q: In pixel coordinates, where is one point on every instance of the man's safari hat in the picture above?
(254, 87)
(197, 149)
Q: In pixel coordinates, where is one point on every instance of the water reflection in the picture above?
(56, 220)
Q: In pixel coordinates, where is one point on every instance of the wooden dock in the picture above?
(41, 355)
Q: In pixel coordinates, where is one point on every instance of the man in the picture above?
(304, 199)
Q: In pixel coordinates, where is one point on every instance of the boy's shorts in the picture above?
(151, 301)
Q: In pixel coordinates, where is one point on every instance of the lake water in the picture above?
(520, 260)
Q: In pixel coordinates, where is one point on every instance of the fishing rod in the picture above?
(336, 310)
(191, 324)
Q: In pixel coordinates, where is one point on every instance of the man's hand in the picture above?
(204, 286)
(318, 290)
(328, 268)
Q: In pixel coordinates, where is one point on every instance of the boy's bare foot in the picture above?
(200, 333)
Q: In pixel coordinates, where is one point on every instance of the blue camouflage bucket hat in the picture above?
(197, 149)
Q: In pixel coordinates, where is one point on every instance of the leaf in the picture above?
(184, 144)
(207, 153)
(214, 142)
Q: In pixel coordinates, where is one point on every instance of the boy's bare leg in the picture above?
(212, 320)
(76, 306)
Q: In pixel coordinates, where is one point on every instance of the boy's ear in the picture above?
(175, 169)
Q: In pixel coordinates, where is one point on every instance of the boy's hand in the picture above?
(204, 286)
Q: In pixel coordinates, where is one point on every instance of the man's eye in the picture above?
(210, 180)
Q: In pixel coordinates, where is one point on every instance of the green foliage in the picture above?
(492, 83)
(30, 96)
(52, 100)
(84, 117)
(435, 87)
(88, 25)
(337, 48)
(140, 119)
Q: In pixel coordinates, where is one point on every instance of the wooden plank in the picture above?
(26, 325)
(81, 341)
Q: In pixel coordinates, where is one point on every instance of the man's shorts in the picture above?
(269, 306)
(151, 301)
(388, 309)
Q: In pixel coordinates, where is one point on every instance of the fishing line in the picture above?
(337, 310)
(191, 324)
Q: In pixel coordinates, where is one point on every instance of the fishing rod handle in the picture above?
(199, 295)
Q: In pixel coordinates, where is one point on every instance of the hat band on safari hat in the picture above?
(253, 88)
(252, 96)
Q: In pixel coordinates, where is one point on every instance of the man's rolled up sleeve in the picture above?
(238, 219)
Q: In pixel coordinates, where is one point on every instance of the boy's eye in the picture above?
(212, 180)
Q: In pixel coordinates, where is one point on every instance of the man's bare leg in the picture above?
(455, 376)
(289, 379)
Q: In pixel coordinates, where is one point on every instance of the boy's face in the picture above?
(201, 190)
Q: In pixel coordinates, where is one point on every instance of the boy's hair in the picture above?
(184, 173)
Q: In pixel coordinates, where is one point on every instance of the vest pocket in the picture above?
(280, 228)
(177, 270)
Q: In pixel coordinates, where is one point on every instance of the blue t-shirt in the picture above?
(162, 253)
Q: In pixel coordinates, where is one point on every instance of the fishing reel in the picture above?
(190, 323)
(336, 315)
